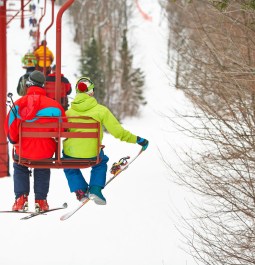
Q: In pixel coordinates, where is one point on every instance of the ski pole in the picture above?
(9, 95)
(9, 105)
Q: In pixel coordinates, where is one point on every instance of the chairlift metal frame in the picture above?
(59, 130)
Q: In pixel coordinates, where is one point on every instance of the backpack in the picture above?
(22, 88)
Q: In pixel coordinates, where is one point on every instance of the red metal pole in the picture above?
(43, 11)
(4, 156)
(14, 16)
(22, 14)
(45, 32)
(58, 48)
(44, 37)
(52, 17)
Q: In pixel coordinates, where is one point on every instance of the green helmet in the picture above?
(84, 85)
(29, 60)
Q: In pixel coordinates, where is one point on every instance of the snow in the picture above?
(138, 224)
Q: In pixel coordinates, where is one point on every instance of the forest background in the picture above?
(101, 29)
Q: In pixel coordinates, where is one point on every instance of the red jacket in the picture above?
(50, 86)
(29, 107)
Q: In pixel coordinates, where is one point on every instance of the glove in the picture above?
(143, 142)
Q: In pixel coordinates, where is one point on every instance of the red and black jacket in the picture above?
(30, 107)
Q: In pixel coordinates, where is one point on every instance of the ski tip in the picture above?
(64, 217)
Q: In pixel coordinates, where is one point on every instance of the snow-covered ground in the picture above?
(137, 226)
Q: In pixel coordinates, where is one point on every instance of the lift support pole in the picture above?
(61, 11)
(4, 156)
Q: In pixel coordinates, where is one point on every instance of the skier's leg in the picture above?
(21, 180)
(75, 179)
(41, 183)
(98, 172)
(98, 179)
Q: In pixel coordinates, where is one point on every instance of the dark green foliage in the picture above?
(99, 27)
(90, 67)
(221, 5)
(249, 4)
(132, 81)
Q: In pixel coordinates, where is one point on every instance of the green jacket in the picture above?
(85, 105)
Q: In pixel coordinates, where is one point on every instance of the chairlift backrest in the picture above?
(59, 130)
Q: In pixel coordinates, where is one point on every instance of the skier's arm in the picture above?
(113, 126)
(11, 127)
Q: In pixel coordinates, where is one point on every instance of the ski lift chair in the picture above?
(90, 128)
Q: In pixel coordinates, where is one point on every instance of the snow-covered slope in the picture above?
(137, 226)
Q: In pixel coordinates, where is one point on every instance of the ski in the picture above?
(10, 211)
(34, 214)
(72, 212)
(116, 169)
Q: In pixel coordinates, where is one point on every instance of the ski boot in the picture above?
(96, 195)
(21, 204)
(81, 195)
(41, 206)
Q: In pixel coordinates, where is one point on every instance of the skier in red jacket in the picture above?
(30, 107)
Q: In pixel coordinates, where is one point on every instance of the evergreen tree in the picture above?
(104, 57)
(90, 67)
(132, 82)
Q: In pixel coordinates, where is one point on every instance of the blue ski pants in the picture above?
(22, 182)
(76, 180)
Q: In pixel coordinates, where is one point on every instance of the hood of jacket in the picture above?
(83, 102)
(30, 103)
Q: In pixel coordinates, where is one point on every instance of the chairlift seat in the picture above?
(60, 130)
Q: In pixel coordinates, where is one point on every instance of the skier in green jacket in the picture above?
(84, 104)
